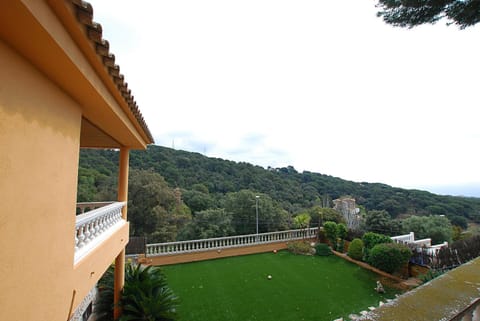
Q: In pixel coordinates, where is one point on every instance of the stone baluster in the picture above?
(86, 232)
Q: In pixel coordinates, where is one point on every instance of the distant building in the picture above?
(349, 210)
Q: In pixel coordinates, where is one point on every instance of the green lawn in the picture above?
(309, 288)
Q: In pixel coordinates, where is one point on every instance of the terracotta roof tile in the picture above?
(84, 15)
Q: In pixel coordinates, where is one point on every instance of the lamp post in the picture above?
(256, 210)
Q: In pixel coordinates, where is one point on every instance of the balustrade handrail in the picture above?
(92, 205)
(235, 236)
(97, 212)
(229, 241)
(93, 226)
(410, 237)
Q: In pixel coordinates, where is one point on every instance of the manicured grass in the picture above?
(309, 288)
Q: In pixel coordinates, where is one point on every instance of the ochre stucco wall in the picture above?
(39, 150)
(87, 272)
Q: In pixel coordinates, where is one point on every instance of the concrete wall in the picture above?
(39, 147)
(39, 151)
(52, 82)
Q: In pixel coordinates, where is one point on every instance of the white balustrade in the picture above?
(421, 245)
(423, 242)
(92, 225)
(407, 238)
(434, 248)
(89, 206)
(228, 242)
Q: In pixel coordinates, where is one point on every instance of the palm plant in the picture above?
(146, 295)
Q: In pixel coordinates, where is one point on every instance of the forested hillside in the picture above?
(199, 183)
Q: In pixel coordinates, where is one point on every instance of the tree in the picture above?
(301, 221)
(459, 221)
(197, 201)
(205, 181)
(438, 228)
(324, 214)
(411, 13)
(241, 205)
(208, 224)
(330, 229)
(342, 232)
(155, 210)
(381, 222)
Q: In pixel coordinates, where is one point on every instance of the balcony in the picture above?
(97, 222)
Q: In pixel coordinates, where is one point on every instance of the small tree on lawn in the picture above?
(355, 250)
(342, 232)
(371, 239)
(330, 229)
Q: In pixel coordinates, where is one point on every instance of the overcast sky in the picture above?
(324, 86)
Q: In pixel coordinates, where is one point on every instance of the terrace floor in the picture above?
(309, 288)
(439, 299)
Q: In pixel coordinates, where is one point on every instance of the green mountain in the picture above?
(197, 174)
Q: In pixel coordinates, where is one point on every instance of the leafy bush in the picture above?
(145, 296)
(330, 229)
(299, 247)
(389, 257)
(438, 228)
(342, 232)
(323, 249)
(430, 275)
(355, 251)
(370, 239)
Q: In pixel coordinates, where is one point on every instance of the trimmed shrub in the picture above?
(355, 250)
(341, 234)
(323, 249)
(389, 257)
(370, 239)
(330, 229)
(299, 247)
(342, 231)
